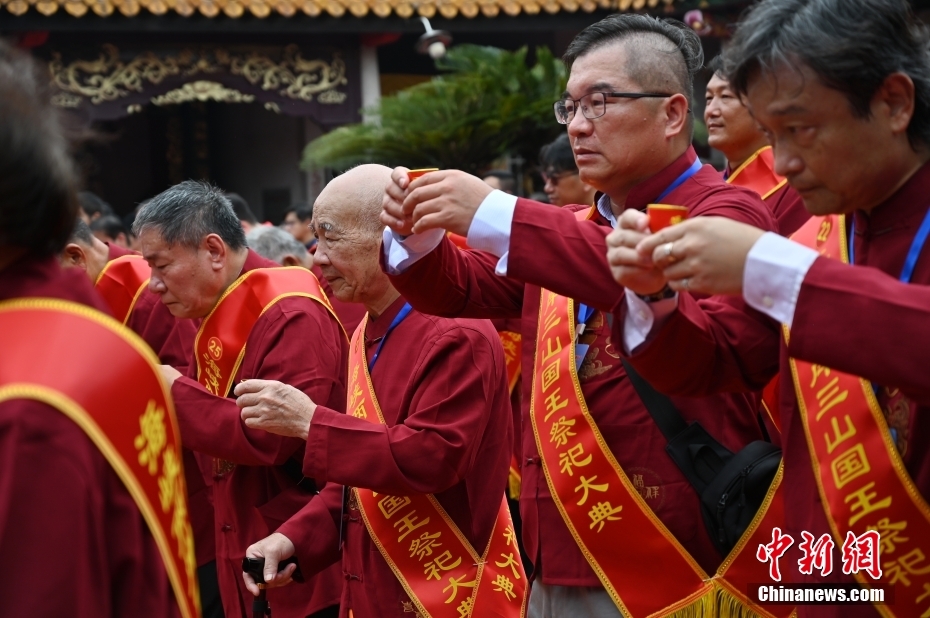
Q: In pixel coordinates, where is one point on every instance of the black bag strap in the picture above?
(660, 407)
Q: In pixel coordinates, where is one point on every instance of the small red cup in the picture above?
(663, 215)
(414, 174)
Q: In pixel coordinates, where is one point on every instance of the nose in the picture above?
(156, 285)
(712, 110)
(320, 258)
(580, 125)
(787, 163)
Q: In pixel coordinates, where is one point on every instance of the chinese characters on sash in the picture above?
(434, 562)
(862, 481)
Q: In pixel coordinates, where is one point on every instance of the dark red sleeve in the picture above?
(862, 321)
(453, 283)
(171, 339)
(297, 346)
(788, 208)
(67, 520)
(314, 530)
(709, 346)
(551, 248)
(457, 383)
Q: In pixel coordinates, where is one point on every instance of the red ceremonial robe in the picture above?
(171, 339)
(452, 282)
(858, 320)
(297, 342)
(74, 540)
(785, 203)
(788, 207)
(442, 389)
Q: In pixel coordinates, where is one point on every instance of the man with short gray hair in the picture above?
(257, 319)
(275, 244)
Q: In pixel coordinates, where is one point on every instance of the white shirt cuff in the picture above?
(642, 317)
(401, 253)
(490, 228)
(775, 269)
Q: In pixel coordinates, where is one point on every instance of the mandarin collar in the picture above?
(115, 251)
(378, 327)
(909, 202)
(649, 190)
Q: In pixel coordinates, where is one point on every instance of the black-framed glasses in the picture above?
(594, 104)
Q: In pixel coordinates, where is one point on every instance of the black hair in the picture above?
(38, 204)
(851, 45)
(557, 156)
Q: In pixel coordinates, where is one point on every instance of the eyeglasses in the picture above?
(594, 104)
(553, 179)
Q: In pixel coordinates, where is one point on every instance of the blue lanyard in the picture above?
(585, 312)
(688, 173)
(403, 313)
(913, 253)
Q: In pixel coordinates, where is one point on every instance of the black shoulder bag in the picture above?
(731, 486)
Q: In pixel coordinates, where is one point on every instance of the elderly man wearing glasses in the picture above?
(610, 522)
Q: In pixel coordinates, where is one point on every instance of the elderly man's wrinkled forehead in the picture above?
(352, 202)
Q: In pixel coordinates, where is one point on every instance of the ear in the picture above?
(73, 256)
(677, 115)
(895, 97)
(216, 249)
(290, 260)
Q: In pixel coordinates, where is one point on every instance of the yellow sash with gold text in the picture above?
(220, 342)
(443, 575)
(121, 282)
(862, 481)
(126, 412)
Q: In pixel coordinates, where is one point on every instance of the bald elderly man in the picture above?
(428, 433)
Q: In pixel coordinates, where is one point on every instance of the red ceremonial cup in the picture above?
(414, 174)
(663, 215)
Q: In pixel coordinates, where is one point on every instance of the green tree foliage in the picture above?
(489, 103)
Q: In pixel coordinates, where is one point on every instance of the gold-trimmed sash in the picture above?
(129, 415)
(511, 343)
(861, 478)
(220, 342)
(431, 558)
(121, 282)
(643, 567)
(757, 173)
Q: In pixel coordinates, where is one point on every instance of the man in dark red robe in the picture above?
(633, 162)
(196, 247)
(66, 518)
(443, 393)
(733, 131)
(853, 138)
(172, 340)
